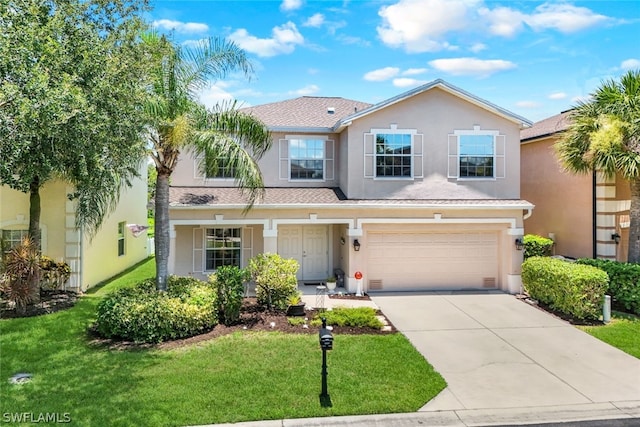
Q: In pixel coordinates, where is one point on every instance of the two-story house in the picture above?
(418, 192)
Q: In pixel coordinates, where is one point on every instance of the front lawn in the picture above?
(238, 377)
(622, 332)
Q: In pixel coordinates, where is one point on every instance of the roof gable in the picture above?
(549, 126)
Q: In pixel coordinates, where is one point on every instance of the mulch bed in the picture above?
(50, 302)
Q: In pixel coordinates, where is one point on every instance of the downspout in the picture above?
(528, 214)
(594, 216)
(81, 260)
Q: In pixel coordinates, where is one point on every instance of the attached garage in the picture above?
(421, 259)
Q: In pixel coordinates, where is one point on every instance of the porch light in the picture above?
(356, 245)
(615, 237)
(519, 244)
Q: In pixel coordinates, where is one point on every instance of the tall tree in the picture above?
(70, 94)
(604, 135)
(222, 137)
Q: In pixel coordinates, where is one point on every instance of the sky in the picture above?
(535, 59)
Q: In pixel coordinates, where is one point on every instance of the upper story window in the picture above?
(224, 169)
(476, 154)
(393, 153)
(306, 158)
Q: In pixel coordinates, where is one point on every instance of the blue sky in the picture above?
(533, 58)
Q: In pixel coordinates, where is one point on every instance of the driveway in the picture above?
(498, 353)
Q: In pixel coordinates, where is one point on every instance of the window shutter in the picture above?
(284, 159)
(329, 164)
(198, 250)
(247, 246)
(418, 156)
(500, 171)
(454, 165)
(369, 155)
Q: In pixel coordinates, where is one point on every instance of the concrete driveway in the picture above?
(500, 355)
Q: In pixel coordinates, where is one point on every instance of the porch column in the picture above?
(270, 240)
(171, 267)
(514, 274)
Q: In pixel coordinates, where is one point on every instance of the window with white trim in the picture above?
(476, 154)
(223, 246)
(304, 158)
(393, 153)
(224, 169)
(121, 238)
(12, 238)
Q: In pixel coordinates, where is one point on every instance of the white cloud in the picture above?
(381, 74)
(527, 104)
(193, 43)
(503, 21)
(471, 66)
(407, 82)
(630, 64)
(305, 91)
(564, 17)
(478, 47)
(287, 5)
(215, 94)
(181, 27)
(420, 25)
(284, 39)
(314, 21)
(557, 95)
(353, 40)
(414, 71)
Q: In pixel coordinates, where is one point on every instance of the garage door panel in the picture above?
(428, 260)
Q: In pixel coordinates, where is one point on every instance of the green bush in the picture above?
(275, 279)
(228, 282)
(361, 317)
(571, 288)
(624, 282)
(535, 245)
(142, 314)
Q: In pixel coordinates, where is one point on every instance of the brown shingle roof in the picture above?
(306, 111)
(217, 196)
(546, 127)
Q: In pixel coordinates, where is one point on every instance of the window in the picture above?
(121, 234)
(225, 169)
(306, 159)
(476, 154)
(12, 238)
(223, 246)
(393, 155)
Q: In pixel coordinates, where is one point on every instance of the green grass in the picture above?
(622, 332)
(239, 377)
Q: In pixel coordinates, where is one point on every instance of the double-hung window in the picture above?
(224, 169)
(121, 238)
(306, 158)
(393, 153)
(476, 154)
(13, 238)
(223, 246)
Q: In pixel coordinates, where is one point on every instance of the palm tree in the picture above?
(177, 121)
(604, 135)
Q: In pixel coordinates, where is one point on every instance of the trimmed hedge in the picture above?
(142, 314)
(349, 316)
(624, 282)
(571, 288)
(535, 245)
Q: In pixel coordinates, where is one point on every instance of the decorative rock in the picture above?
(20, 378)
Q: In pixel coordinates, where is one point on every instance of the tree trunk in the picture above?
(34, 212)
(634, 219)
(162, 239)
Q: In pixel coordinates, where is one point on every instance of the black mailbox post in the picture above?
(326, 343)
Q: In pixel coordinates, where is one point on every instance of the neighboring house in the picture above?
(585, 215)
(92, 260)
(418, 192)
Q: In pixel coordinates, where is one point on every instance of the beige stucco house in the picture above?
(418, 192)
(586, 215)
(92, 260)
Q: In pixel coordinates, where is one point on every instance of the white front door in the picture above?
(309, 246)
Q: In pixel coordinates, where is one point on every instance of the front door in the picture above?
(309, 246)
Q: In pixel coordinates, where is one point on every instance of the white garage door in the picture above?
(430, 260)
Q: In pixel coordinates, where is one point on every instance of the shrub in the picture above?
(142, 314)
(361, 317)
(228, 282)
(21, 274)
(275, 279)
(624, 282)
(535, 245)
(571, 288)
(54, 274)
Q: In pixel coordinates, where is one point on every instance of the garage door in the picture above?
(431, 260)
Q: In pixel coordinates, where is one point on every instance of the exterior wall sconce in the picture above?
(342, 241)
(519, 244)
(356, 245)
(615, 237)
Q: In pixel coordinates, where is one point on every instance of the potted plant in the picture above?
(331, 284)
(296, 305)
